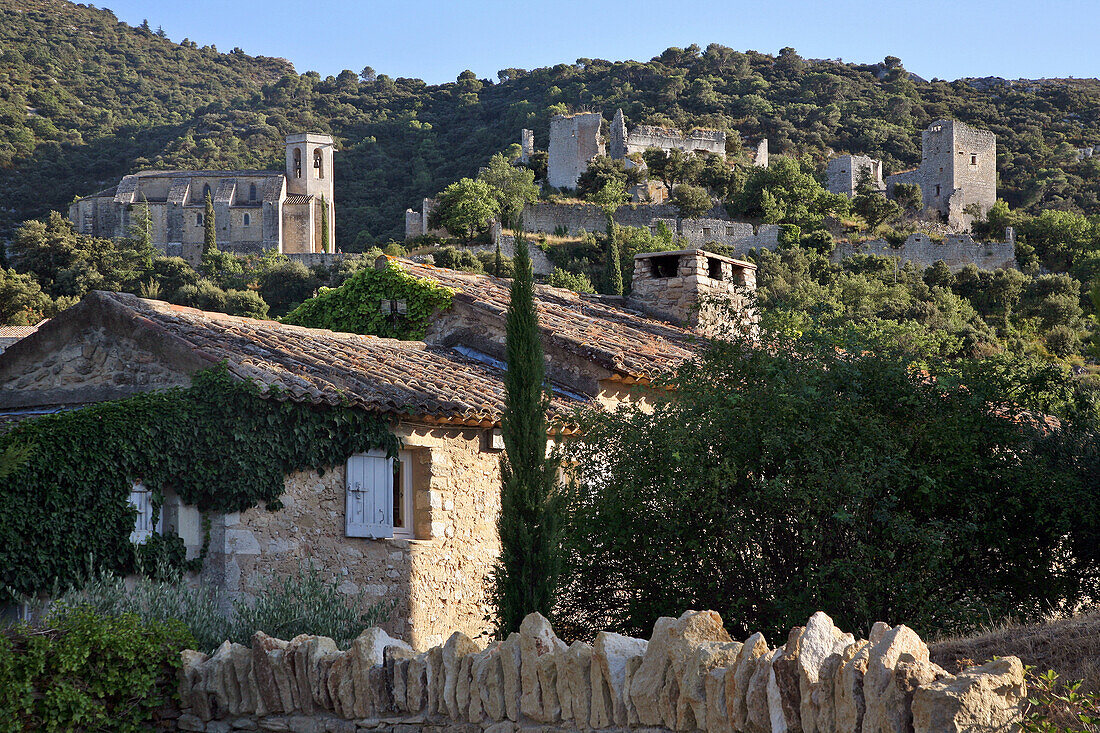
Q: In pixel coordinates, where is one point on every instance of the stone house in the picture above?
(254, 210)
(420, 530)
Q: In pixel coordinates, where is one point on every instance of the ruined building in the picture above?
(254, 210)
(958, 169)
(843, 172)
(574, 140)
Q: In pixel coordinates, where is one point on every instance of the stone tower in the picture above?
(309, 178)
(574, 140)
(616, 145)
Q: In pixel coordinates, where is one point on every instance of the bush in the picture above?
(576, 282)
(246, 303)
(488, 264)
(1055, 707)
(173, 273)
(299, 603)
(87, 671)
(1063, 341)
(457, 259)
(286, 285)
(204, 295)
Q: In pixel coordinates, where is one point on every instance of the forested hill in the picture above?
(85, 99)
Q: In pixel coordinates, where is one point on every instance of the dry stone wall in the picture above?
(956, 250)
(689, 676)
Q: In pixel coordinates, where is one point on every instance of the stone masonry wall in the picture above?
(689, 676)
(437, 578)
(956, 251)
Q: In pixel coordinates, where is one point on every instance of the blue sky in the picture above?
(436, 39)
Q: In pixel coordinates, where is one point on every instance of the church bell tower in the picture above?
(309, 173)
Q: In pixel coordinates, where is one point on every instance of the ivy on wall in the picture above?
(218, 444)
(357, 305)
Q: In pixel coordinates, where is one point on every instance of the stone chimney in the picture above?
(700, 290)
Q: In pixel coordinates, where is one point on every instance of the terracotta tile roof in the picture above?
(324, 367)
(297, 198)
(10, 334)
(617, 338)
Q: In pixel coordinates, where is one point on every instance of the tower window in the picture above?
(318, 163)
(937, 189)
(248, 220)
(973, 159)
(664, 266)
(252, 192)
(198, 220)
(205, 191)
(297, 162)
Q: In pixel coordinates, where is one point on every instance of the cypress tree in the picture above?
(612, 268)
(324, 225)
(525, 577)
(498, 263)
(209, 230)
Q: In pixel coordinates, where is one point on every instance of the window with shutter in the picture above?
(141, 498)
(379, 496)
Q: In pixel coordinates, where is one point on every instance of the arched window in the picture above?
(248, 220)
(198, 220)
(318, 163)
(297, 162)
(205, 191)
(252, 192)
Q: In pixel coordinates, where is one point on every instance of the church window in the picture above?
(252, 192)
(318, 163)
(205, 191)
(248, 220)
(198, 220)
(297, 162)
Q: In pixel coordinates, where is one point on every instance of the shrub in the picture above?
(1063, 341)
(1054, 707)
(87, 671)
(286, 285)
(173, 273)
(204, 295)
(245, 303)
(488, 264)
(299, 603)
(457, 259)
(576, 282)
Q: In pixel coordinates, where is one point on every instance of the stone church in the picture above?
(254, 210)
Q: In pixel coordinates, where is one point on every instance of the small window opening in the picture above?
(937, 189)
(318, 163)
(205, 191)
(729, 231)
(248, 220)
(252, 192)
(706, 231)
(198, 220)
(973, 159)
(399, 518)
(666, 266)
(714, 268)
(297, 162)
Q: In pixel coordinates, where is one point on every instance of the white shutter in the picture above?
(142, 500)
(369, 489)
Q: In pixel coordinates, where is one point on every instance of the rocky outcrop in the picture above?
(690, 676)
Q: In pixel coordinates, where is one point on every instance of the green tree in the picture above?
(209, 227)
(466, 208)
(603, 171)
(908, 197)
(22, 302)
(139, 236)
(691, 201)
(871, 204)
(613, 271)
(325, 244)
(513, 188)
(673, 166)
(776, 481)
(787, 192)
(525, 578)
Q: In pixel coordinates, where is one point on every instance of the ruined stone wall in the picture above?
(643, 137)
(957, 251)
(574, 140)
(694, 288)
(843, 172)
(690, 675)
(437, 577)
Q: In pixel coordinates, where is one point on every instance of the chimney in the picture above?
(697, 289)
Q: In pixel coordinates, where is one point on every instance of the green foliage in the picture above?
(908, 196)
(466, 208)
(602, 172)
(525, 577)
(1057, 707)
(873, 206)
(673, 167)
(787, 191)
(691, 201)
(83, 671)
(218, 444)
(609, 198)
(247, 303)
(456, 258)
(295, 603)
(613, 271)
(22, 302)
(513, 187)
(285, 285)
(356, 306)
(831, 473)
(577, 282)
(326, 245)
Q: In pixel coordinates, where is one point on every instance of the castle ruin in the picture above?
(843, 172)
(574, 140)
(958, 172)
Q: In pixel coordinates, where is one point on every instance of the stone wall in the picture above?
(693, 287)
(842, 174)
(437, 576)
(574, 140)
(956, 250)
(689, 676)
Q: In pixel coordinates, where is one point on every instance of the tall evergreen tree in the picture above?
(139, 236)
(525, 577)
(209, 230)
(324, 225)
(612, 268)
(498, 262)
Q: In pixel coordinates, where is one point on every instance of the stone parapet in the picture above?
(689, 676)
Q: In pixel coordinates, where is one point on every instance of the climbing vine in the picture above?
(357, 305)
(218, 444)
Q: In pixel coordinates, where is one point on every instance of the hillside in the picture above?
(84, 99)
